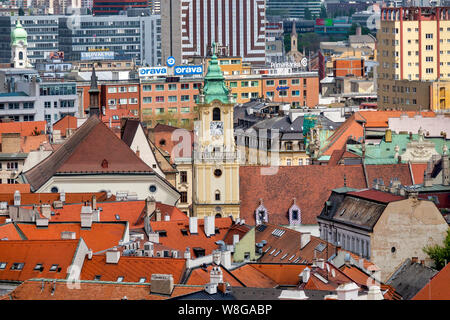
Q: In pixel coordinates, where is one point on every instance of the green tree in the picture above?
(440, 254)
(307, 14)
(309, 41)
(287, 42)
(323, 11)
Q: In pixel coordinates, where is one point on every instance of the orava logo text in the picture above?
(153, 71)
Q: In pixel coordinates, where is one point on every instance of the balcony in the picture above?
(216, 156)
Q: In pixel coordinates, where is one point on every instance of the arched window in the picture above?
(216, 114)
(217, 195)
(20, 55)
(218, 215)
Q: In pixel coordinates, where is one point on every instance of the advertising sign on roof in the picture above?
(152, 71)
(184, 70)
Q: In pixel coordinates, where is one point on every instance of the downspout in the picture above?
(365, 173)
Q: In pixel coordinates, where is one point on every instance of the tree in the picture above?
(307, 14)
(440, 254)
(21, 12)
(323, 11)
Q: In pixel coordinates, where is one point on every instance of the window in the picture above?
(147, 100)
(159, 87)
(17, 266)
(254, 83)
(217, 172)
(120, 279)
(147, 87)
(13, 105)
(295, 81)
(233, 84)
(244, 95)
(295, 93)
(429, 59)
(217, 195)
(112, 89)
(183, 176)
(28, 105)
(172, 110)
(185, 97)
(216, 114)
(160, 99)
(172, 86)
(429, 36)
(111, 102)
(283, 93)
(12, 165)
(282, 82)
(133, 100)
(183, 198)
(3, 265)
(270, 82)
(172, 99)
(39, 267)
(97, 277)
(28, 118)
(288, 162)
(429, 47)
(132, 89)
(152, 188)
(54, 267)
(185, 109)
(142, 280)
(269, 93)
(184, 86)
(429, 70)
(244, 84)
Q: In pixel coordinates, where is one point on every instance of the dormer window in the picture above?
(261, 214)
(295, 216)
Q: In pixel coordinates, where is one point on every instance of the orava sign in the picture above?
(152, 71)
(282, 88)
(181, 70)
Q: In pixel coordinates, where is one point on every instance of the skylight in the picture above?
(38, 266)
(97, 277)
(261, 228)
(54, 267)
(277, 253)
(142, 280)
(117, 217)
(268, 248)
(17, 266)
(320, 247)
(278, 232)
(3, 265)
(120, 279)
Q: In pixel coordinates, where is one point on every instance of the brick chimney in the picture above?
(161, 284)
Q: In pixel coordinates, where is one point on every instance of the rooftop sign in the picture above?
(152, 71)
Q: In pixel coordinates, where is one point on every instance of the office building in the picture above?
(293, 8)
(113, 7)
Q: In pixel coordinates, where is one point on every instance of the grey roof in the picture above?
(361, 39)
(410, 278)
(129, 131)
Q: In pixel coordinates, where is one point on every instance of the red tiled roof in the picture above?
(91, 290)
(351, 128)
(30, 253)
(418, 170)
(201, 276)
(11, 188)
(438, 288)
(376, 195)
(161, 135)
(379, 118)
(31, 143)
(253, 278)
(101, 236)
(67, 122)
(177, 241)
(132, 268)
(9, 231)
(25, 128)
(283, 274)
(27, 198)
(310, 185)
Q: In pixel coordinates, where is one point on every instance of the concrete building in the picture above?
(384, 227)
(114, 7)
(413, 52)
(292, 8)
(190, 27)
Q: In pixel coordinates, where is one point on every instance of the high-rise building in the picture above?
(189, 27)
(293, 8)
(112, 7)
(413, 51)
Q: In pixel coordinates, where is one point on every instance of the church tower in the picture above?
(19, 46)
(94, 95)
(216, 162)
(294, 55)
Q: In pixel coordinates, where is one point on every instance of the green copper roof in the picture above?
(215, 88)
(19, 33)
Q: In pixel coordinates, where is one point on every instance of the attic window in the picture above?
(105, 163)
(97, 277)
(54, 267)
(3, 265)
(284, 256)
(17, 266)
(320, 247)
(184, 232)
(296, 260)
(292, 257)
(120, 279)
(162, 233)
(162, 142)
(271, 252)
(216, 230)
(277, 253)
(39, 267)
(199, 252)
(142, 280)
(117, 217)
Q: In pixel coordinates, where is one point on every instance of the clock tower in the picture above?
(19, 46)
(216, 162)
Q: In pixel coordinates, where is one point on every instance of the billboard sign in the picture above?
(170, 61)
(184, 70)
(97, 55)
(152, 71)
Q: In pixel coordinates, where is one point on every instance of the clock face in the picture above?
(216, 128)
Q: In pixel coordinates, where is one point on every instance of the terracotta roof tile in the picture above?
(25, 128)
(101, 236)
(380, 118)
(31, 253)
(418, 170)
(67, 122)
(31, 143)
(9, 231)
(91, 290)
(253, 278)
(201, 276)
(177, 241)
(376, 195)
(351, 128)
(27, 198)
(283, 274)
(11, 188)
(132, 268)
(438, 288)
(310, 185)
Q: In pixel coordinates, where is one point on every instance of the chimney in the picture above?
(193, 225)
(62, 196)
(321, 263)
(89, 255)
(216, 257)
(112, 256)
(96, 215)
(86, 216)
(153, 237)
(167, 217)
(150, 206)
(158, 214)
(347, 291)
(17, 198)
(68, 235)
(361, 263)
(225, 259)
(427, 180)
(46, 210)
(414, 260)
(306, 273)
(138, 152)
(305, 237)
(187, 253)
(161, 284)
(374, 293)
(216, 275)
(209, 225)
(94, 202)
(211, 288)
(148, 249)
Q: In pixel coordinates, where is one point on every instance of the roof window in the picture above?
(120, 279)
(142, 280)
(3, 265)
(54, 267)
(97, 277)
(17, 266)
(39, 267)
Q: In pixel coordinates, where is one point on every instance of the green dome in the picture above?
(19, 33)
(215, 88)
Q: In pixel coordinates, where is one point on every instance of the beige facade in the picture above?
(403, 230)
(413, 50)
(184, 183)
(216, 164)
